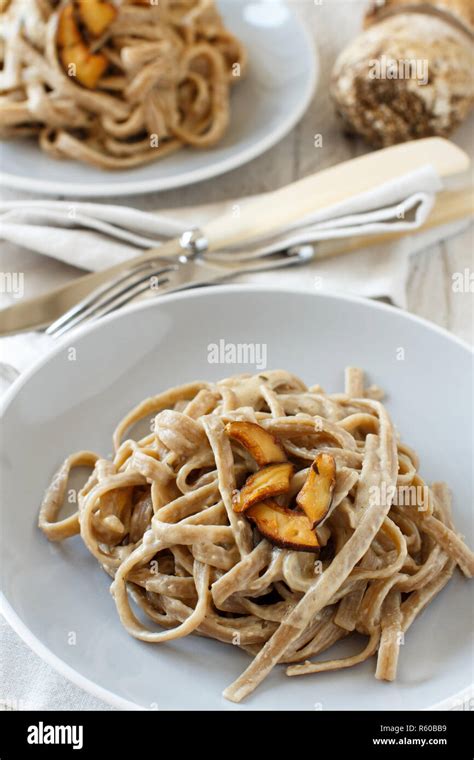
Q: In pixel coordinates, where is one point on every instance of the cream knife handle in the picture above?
(338, 183)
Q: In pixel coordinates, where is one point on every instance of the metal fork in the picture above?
(158, 276)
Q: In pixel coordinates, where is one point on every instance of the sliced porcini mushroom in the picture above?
(75, 56)
(283, 527)
(97, 15)
(88, 67)
(315, 497)
(262, 445)
(270, 481)
(68, 33)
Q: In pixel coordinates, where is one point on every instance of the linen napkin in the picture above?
(93, 236)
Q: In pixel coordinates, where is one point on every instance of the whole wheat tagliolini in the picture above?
(116, 84)
(267, 515)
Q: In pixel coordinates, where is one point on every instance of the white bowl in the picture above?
(62, 405)
(265, 106)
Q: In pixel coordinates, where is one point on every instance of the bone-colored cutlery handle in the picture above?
(338, 183)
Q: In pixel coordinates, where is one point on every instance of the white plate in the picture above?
(63, 405)
(266, 105)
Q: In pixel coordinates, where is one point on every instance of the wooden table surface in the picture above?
(333, 23)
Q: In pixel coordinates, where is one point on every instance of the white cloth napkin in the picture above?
(29, 683)
(93, 236)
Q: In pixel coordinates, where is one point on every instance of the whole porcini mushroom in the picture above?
(410, 73)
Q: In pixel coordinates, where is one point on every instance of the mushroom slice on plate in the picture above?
(97, 15)
(68, 33)
(283, 527)
(88, 67)
(315, 497)
(270, 481)
(77, 59)
(262, 445)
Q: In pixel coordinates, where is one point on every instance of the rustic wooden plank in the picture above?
(426, 294)
(458, 257)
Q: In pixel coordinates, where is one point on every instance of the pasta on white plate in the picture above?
(267, 515)
(116, 83)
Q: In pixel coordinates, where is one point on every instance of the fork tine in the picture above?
(98, 294)
(102, 309)
(119, 302)
(113, 302)
(174, 277)
(98, 297)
